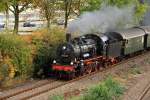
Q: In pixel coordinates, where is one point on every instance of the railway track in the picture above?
(18, 91)
(145, 92)
(52, 84)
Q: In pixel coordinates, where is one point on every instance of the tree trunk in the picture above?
(79, 7)
(7, 18)
(47, 17)
(66, 19)
(68, 4)
(66, 14)
(48, 23)
(16, 14)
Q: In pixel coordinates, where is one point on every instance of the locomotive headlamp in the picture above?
(64, 47)
(82, 64)
(71, 63)
(54, 62)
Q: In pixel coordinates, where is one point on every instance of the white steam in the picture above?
(106, 19)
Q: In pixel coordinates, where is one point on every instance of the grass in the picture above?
(109, 89)
(135, 70)
(57, 97)
(147, 60)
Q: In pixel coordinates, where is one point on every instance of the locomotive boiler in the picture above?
(78, 48)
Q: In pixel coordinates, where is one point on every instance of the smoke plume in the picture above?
(105, 19)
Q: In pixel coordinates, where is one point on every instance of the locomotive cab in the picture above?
(113, 45)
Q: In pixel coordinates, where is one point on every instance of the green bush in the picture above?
(15, 56)
(46, 45)
(107, 90)
(57, 97)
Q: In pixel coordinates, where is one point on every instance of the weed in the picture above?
(60, 97)
(135, 69)
(107, 90)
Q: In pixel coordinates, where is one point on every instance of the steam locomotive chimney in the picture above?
(68, 37)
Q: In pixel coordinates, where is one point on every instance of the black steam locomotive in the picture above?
(91, 52)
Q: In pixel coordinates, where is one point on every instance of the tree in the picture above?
(70, 6)
(67, 8)
(48, 8)
(90, 5)
(77, 5)
(140, 8)
(16, 7)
